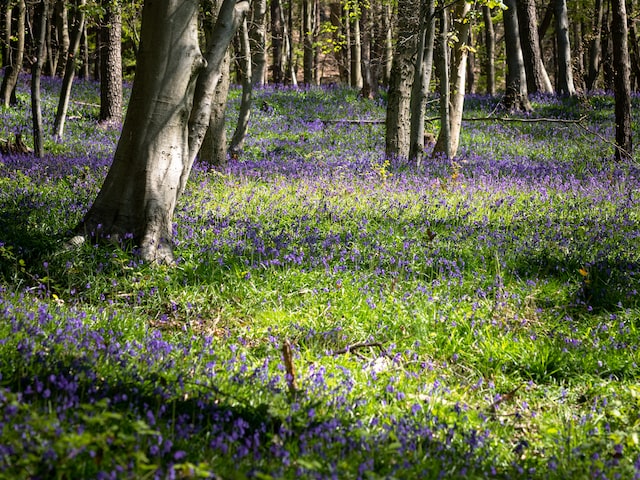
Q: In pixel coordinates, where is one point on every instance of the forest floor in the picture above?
(332, 313)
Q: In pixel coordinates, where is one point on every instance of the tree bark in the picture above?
(565, 72)
(258, 37)
(70, 70)
(12, 71)
(111, 64)
(595, 46)
(457, 85)
(307, 34)
(277, 41)
(622, 86)
(167, 117)
(516, 97)
(356, 48)
(237, 141)
(537, 77)
(398, 119)
(490, 45)
(42, 8)
(213, 151)
(369, 80)
(444, 136)
(422, 79)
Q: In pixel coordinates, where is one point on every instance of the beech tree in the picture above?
(167, 118)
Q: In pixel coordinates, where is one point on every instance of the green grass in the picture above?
(491, 307)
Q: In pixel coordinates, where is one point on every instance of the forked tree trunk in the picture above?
(622, 85)
(167, 118)
(69, 70)
(12, 71)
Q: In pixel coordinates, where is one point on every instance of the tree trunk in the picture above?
(111, 65)
(307, 34)
(290, 75)
(258, 37)
(635, 54)
(388, 43)
(398, 119)
(565, 72)
(237, 141)
(167, 117)
(537, 77)
(70, 70)
(214, 146)
(356, 48)
(490, 45)
(457, 85)
(277, 41)
(369, 83)
(59, 54)
(84, 51)
(422, 79)
(443, 145)
(42, 12)
(12, 71)
(622, 86)
(515, 97)
(595, 46)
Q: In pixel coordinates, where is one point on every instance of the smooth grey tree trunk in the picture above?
(565, 72)
(12, 71)
(422, 79)
(258, 37)
(213, 151)
(515, 97)
(166, 120)
(398, 121)
(70, 70)
(537, 77)
(42, 8)
(490, 45)
(111, 65)
(237, 141)
(458, 75)
(622, 84)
